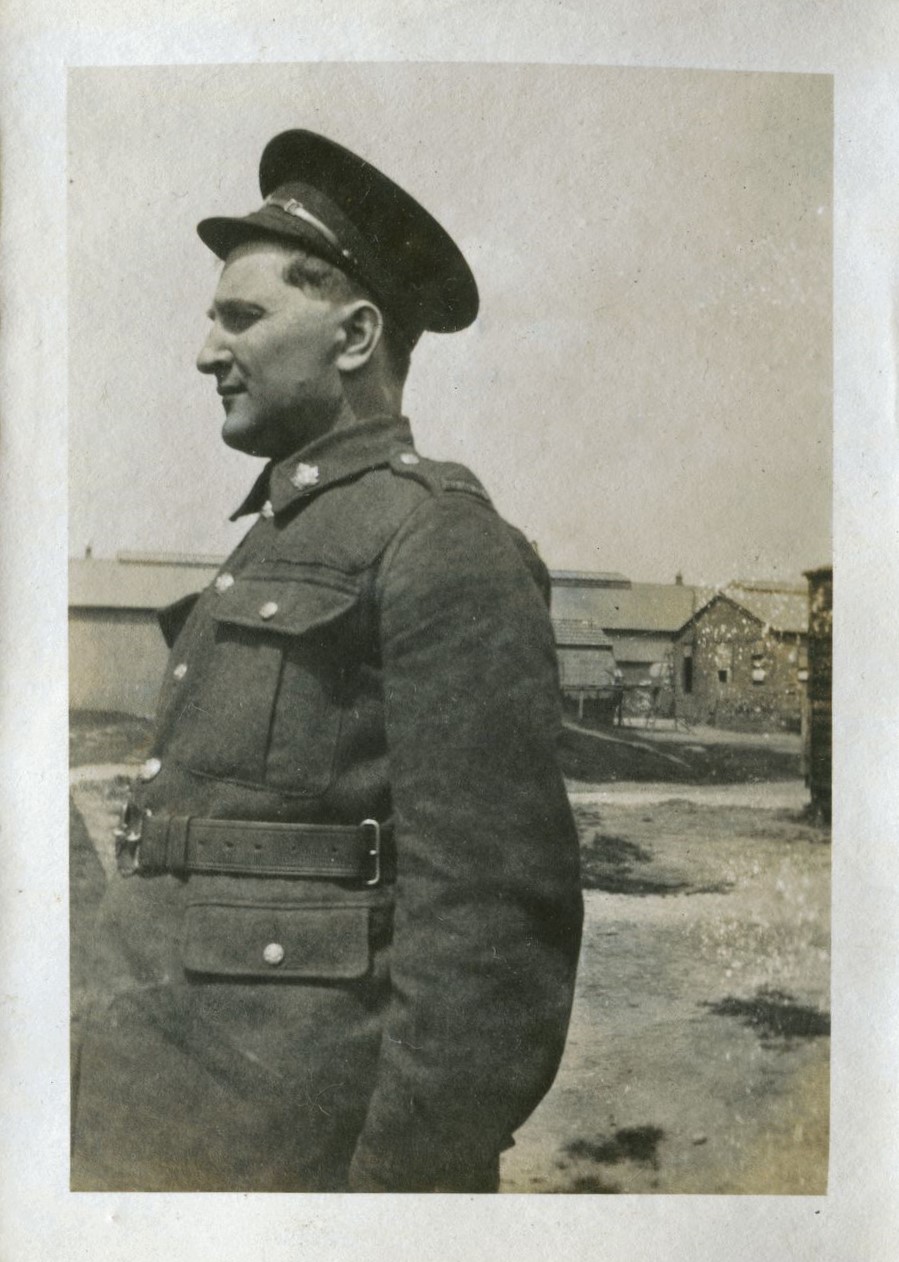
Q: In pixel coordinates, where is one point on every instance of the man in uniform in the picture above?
(343, 953)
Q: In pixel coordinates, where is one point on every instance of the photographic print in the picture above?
(612, 290)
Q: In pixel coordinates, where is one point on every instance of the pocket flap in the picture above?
(285, 607)
(277, 940)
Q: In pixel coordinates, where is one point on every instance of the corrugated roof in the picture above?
(95, 584)
(641, 649)
(198, 560)
(583, 606)
(570, 631)
(155, 581)
(589, 578)
(768, 585)
(654, 607)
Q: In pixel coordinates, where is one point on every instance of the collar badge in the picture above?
(304, 475)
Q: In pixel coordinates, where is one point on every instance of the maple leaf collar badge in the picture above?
(305, 475)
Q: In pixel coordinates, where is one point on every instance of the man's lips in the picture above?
(227, 392)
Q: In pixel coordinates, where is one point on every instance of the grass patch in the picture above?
(775, 1016)
(611, 864)
(630, 1143)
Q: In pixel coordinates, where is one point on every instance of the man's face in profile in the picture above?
(271, 348)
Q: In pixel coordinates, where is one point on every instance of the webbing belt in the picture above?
(182, 844)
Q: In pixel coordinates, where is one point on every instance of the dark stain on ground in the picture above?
(618, 852)
(592, 1184)
(86, 877)
(630, 1143)
(775, 1016)
(795, 826)
(607, 864)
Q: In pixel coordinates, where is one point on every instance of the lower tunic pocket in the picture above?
(277, 941)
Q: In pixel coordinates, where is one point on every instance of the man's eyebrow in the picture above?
(232, 306)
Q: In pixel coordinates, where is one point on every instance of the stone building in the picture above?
(741, 661)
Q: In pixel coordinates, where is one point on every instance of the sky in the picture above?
(647, 388)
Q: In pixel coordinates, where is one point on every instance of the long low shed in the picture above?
(116, 650)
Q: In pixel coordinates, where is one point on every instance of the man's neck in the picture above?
(369, 395)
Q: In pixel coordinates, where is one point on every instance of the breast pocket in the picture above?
(272, 691)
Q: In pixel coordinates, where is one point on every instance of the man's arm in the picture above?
(488, 906)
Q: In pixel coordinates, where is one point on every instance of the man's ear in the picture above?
(362, 325)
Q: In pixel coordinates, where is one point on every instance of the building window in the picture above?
(759, 674)
(724, 662)
(688, 670)
(802, 664)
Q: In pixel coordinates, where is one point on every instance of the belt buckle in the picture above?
(372, 829)
(127, 839)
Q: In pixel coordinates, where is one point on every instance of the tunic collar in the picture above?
(342, 454)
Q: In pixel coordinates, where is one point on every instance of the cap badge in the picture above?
(291, 206)
(304, 475)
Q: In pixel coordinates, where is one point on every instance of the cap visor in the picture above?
(223, 234)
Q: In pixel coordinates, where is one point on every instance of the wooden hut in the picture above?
(818, 726)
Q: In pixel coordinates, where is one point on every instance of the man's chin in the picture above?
(274, 435)
(240, 436)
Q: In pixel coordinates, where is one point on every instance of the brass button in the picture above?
(409, 457)
(180, 670)
(268, 610)
(223, 582)
(150, 769)
(273, 954)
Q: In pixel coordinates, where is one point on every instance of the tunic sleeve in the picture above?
(488, 904)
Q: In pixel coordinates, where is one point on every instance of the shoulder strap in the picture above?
(438, 476)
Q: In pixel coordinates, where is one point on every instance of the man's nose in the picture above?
(214, 353)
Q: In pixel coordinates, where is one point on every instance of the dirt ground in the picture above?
(698, 1056)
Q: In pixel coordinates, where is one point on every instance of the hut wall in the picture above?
(819, 747)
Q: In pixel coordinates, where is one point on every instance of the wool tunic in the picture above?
(377, 647)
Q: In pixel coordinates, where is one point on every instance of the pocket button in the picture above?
(273, 954)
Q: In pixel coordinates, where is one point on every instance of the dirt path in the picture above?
(97, 792)
(786, 796)
(698, 1054)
